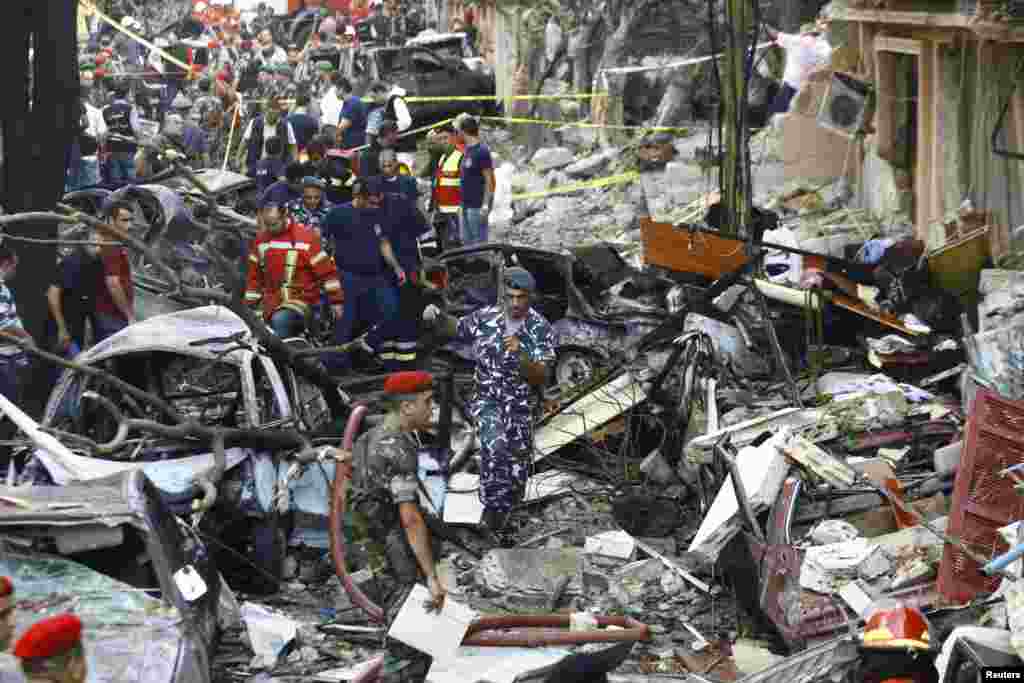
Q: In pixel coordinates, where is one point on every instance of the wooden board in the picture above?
(687, 251)
(860, 308)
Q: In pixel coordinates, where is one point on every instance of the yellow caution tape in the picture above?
(576, 124)
(118, 27)
(492, 98)
(583, 185)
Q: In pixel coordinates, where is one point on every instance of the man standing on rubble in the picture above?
(386, 501)
(477, 184)
(514, 347)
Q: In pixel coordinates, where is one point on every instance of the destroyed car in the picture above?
(597, 303)
(200, 362)
(148, 591)
(423, 72)
(453, 46)
(166, 213)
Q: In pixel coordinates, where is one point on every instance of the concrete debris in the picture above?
(617, 544)
(551, 158)
(830, 531)
(526, 577)
(826, 568)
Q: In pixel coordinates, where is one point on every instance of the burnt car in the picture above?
(453, 46)
(597, 303)
(231, 385)
(424, 72)
(167, 209)
(147, 590)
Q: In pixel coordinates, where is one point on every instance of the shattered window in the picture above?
(473, 282)
(207, 391)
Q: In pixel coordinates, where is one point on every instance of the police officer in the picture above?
(311, 209)
(50, 651)
(514, 346)
(386, 499)
(122, 119)
(368, 267)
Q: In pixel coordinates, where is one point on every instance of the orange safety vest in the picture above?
(447, 188)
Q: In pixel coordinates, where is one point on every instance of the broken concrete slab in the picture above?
(826, 568)
(550, 158)
(947, 459)
(829, 531)
(526, 577)
(592, 165)
(829, 468)
(616, 544)
(629, 584)
(763, 469)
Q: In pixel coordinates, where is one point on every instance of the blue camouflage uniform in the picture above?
(502, 406)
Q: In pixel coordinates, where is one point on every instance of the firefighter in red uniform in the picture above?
(288, 268)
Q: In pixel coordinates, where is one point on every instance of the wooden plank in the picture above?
(881, 317)
(923, 204)
(940, 19)
(904, 46)
(687, 251)
(938, 132)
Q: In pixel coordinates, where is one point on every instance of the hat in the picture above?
(313, 181)
(387, 154)
(329, 26)
(277, 194)
(350, 30)
(6, 587)
(50, 637)
(519, 278)
(369, 185)
(294, 46)
(402, 384)
(89, 65)
(267, 68)
(324, 66)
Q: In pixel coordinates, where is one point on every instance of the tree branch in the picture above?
(154, 401)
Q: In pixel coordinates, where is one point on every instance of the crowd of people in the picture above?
(340, 211)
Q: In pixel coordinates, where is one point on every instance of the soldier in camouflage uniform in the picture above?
(385, 500)
(514, 346)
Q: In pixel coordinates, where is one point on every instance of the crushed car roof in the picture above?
(172, 332)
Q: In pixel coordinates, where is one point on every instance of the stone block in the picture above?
(526, 577)
(550, 158)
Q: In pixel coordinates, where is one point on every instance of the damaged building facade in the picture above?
(923, 114)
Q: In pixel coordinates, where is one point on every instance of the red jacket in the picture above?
(288, 270)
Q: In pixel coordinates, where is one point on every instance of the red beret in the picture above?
(413, 382)
(6, 587)
(50, 637)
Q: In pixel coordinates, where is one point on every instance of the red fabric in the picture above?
(269, 282)
(50, 637)
(6, 587)
(411, 382)
(115, 264)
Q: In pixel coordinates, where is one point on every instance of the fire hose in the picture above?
(481, 631)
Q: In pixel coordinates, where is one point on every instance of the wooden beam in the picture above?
(904, 46)
(938, 19)
(924, 142)
(933, 55)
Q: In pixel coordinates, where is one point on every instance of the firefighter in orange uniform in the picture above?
(288, 269)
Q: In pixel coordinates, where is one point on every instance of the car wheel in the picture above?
(575, 367)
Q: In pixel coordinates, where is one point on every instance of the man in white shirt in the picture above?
(267, 52)
(806, 53)
(331, 104)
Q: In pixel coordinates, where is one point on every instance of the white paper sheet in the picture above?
(493, 664)
(436, 634)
